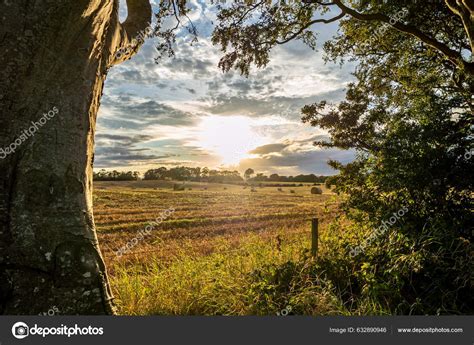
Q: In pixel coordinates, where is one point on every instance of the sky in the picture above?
(186, 111)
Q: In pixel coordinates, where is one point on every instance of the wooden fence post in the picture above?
(314, 237)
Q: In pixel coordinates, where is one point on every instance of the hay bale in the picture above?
(316, 190)
(178, 187)
(280, 190)
(292, 191)
(253, 190)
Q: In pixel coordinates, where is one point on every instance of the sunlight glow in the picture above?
(230, 137)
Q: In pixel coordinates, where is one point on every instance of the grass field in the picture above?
(202, 258)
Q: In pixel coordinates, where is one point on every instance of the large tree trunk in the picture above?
(54, 58)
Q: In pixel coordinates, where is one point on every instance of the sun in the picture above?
(229, 137)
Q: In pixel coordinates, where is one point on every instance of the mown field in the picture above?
(203, 258)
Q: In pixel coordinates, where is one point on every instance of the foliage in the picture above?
(171, 15)
(248, 173)
(429, 275)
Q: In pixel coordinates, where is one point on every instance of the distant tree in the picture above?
(274, 177)
(156, 174)
(260, 178)
(197, 174)
(248, 173)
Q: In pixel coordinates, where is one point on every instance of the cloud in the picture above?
(270, 148)
(122, 139)
(124, 156)
(298, 162)
(197, 67)
(289, 107)
(114, 149)
(125, 111)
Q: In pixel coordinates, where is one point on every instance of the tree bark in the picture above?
(54, 56)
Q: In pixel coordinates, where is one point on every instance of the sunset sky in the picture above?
(185, 111)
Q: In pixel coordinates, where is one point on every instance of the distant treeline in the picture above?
(224, 176)
(194, 174)
(299, 178)
(115, 175)
(203, 175)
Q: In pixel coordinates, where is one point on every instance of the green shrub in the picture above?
(394, 275)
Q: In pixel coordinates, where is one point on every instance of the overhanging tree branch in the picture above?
(452, 55)
(304, 27)
(465, 10)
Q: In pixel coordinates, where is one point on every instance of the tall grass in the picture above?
(222, 283)
(396, 275)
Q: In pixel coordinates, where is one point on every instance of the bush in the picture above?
(396, 274)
